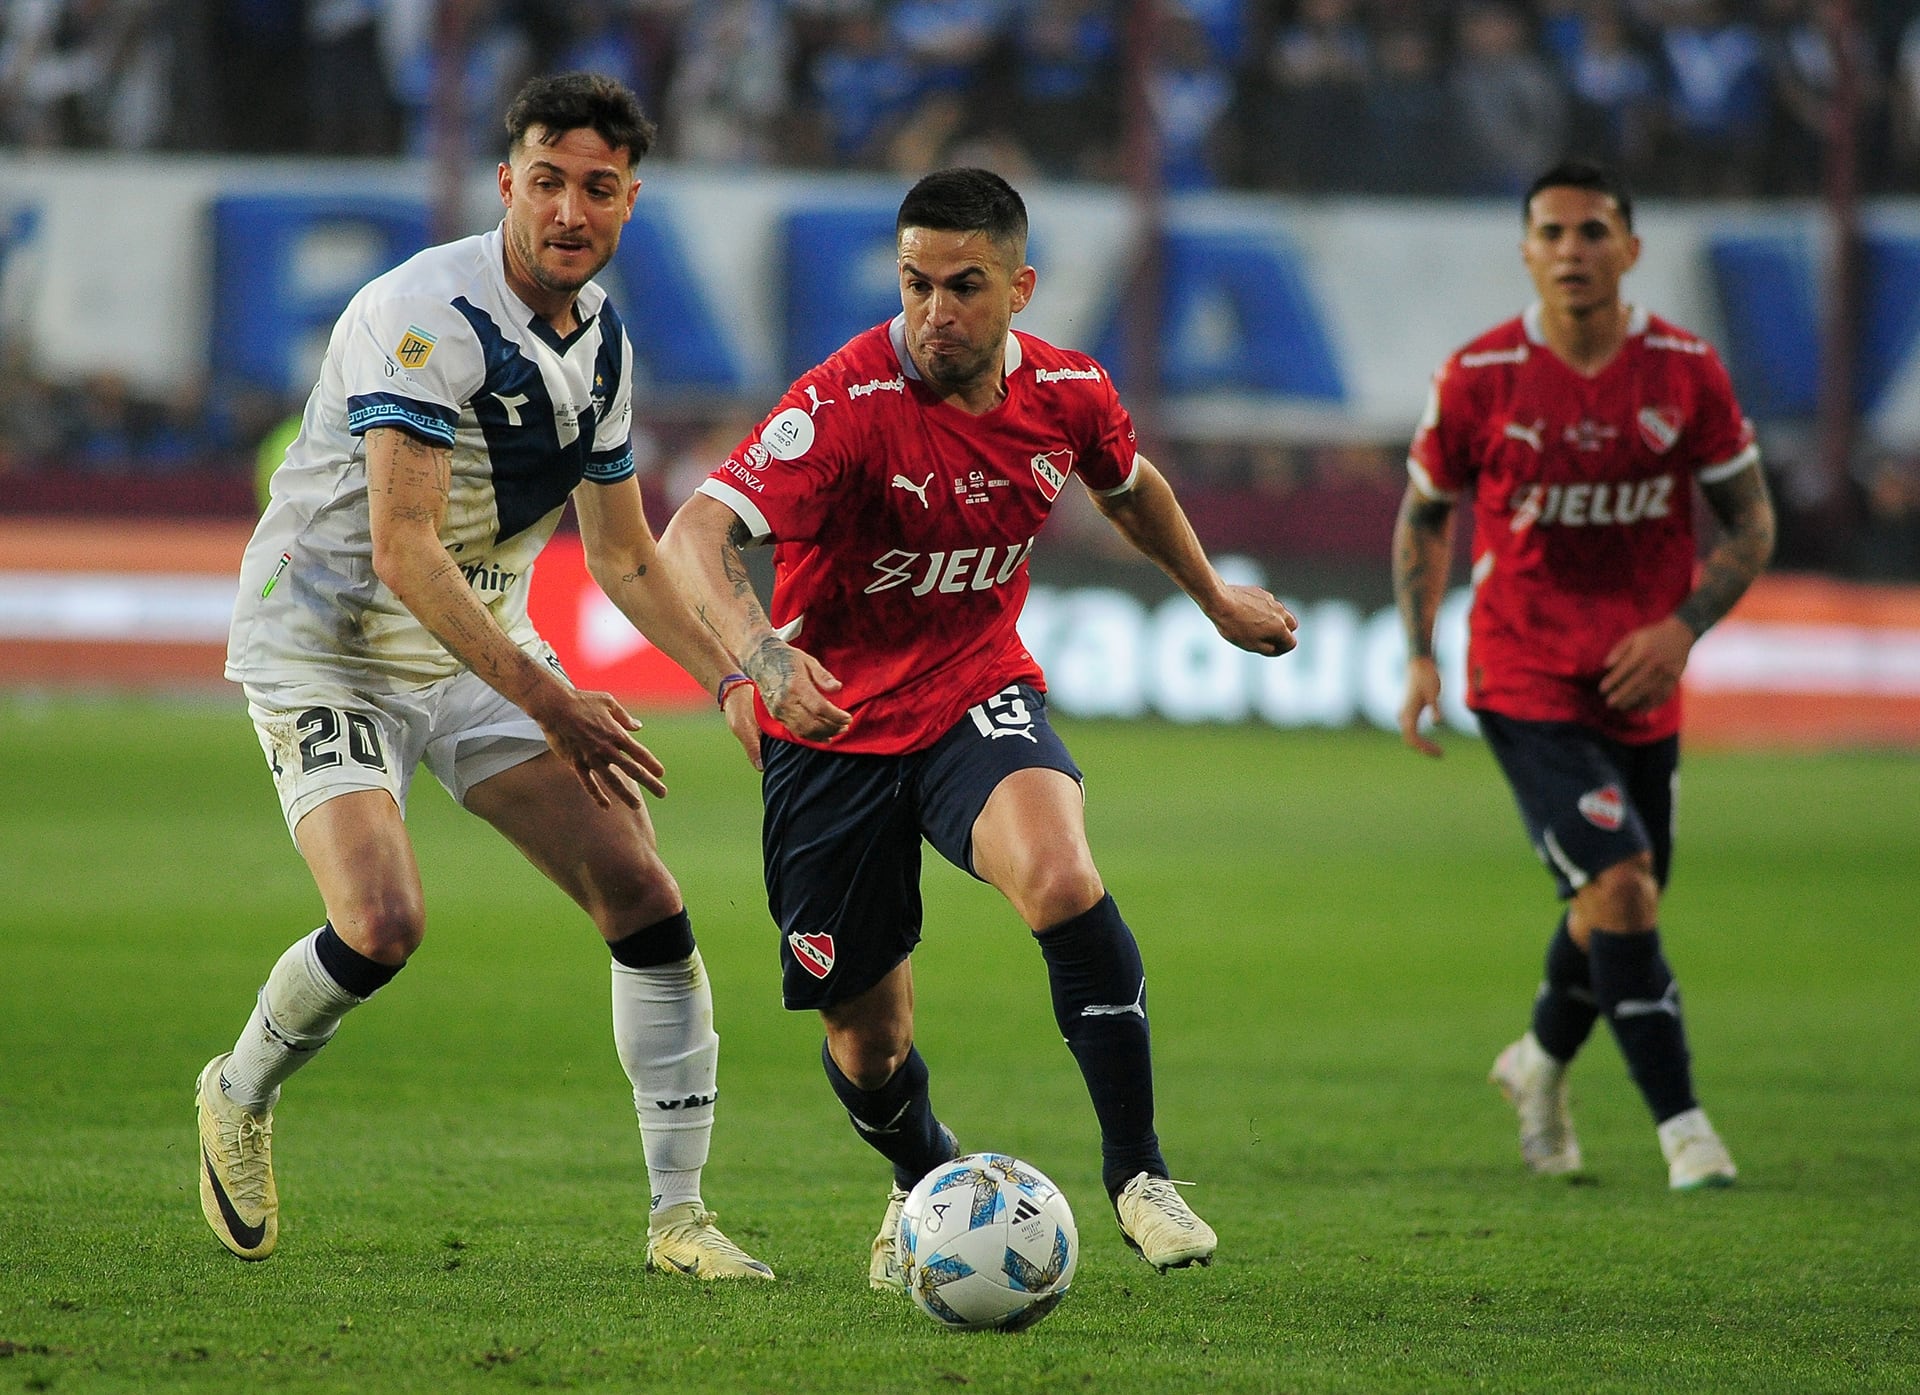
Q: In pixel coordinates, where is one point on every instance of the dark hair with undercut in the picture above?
(966, 200)
(571, 101)
(1582, 174)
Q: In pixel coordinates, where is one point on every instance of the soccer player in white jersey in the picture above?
(382, 623)
(902, 483)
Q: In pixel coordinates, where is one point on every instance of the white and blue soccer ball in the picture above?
(987, 1241)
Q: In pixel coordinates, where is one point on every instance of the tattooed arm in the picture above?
(704, 546)
(1422, 551)
(408, 483)
(1644, 668)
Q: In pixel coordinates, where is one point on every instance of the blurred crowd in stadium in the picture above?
(1691, 98)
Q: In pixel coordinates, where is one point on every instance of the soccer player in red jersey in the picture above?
(902, 483)
(1581, 429)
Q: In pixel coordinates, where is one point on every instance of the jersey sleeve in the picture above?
(1108, 466)
(611, 458)
(782, 480)
(1724, 444)
(411, 364)
(1437, 461)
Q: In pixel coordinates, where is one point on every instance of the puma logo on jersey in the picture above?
(816, 402)
(1515, 431)
(919, 490)
(962, 569)
(1591, 505)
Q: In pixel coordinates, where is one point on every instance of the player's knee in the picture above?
(635, 893)
(1625, 898)
(385, 925)
(869, 1055)
(1051, 891)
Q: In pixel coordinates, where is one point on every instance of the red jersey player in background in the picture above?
(903, 482)
(1580, 429)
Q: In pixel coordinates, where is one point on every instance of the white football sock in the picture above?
(298, 1010)
(663, 1030)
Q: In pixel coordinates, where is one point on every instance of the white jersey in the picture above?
(442, 349)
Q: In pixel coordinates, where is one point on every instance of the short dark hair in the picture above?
(1582, 174)
(966, 200)
(564, 102)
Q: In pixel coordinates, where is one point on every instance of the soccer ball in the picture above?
(987, 1241)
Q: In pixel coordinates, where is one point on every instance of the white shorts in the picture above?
(324, 738)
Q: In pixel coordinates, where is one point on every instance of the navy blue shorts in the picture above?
(841, 838)
(1588, 801)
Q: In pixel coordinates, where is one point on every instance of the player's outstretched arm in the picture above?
(703, 546)
(1422, 549)
(626, 563)
(1644, 668)
(1150, 517)
(408, 482)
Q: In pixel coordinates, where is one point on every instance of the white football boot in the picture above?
(1696, 1157)
(1535, 1084)
(885, 1271)
(686, 1239)
(237, 1194)
(1160, 1226)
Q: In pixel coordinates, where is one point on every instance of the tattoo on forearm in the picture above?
(770, 666)
(1744, 510)
(1421, 539)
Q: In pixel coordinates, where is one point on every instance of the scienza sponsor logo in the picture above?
(1604, 808)
(814, 952)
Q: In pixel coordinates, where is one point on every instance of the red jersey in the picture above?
(1583, 513)
(902, 524)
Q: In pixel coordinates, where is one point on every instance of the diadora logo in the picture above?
(1050, 471)
(1529, 433)
(963, 569)
(1604, 808)
(1592, 505)
(919, 491)
(814, 953)
(1659, 428)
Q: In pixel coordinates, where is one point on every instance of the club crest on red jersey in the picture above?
(1604, 808)
(814, 952)
(1050, 471)
(1659, 428)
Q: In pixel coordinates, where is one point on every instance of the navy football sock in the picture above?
(896, 1119)
(1637, 992)
(1100, 1001)
(1564, 1011)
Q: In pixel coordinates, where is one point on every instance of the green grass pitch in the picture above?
(1339, 937)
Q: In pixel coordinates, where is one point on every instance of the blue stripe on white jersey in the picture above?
(425, 419)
